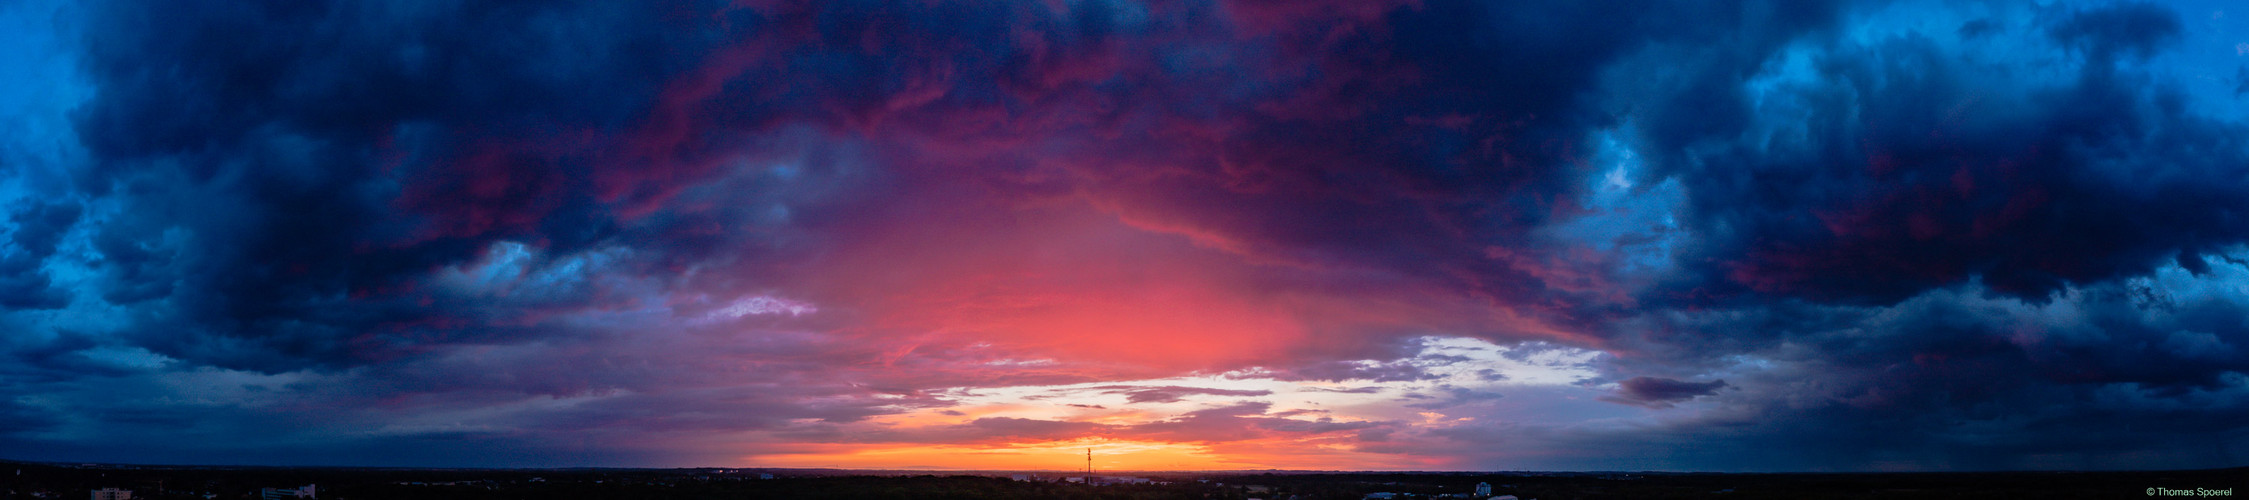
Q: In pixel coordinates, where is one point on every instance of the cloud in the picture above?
(1174, 394)
(758, 306)
(1963, 378)
(1242, 422)
(2135, 29)
(661, 233)
(1871, 171)
(1658, 392)
(38, 227)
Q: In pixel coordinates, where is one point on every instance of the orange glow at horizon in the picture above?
(1068, 456)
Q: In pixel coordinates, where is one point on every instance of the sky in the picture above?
(1187, 234)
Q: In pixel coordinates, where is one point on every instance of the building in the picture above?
(113, 494)
(1483, 489)
(286, 494)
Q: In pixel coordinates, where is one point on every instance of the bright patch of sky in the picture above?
(1456, 371)
(761, 305)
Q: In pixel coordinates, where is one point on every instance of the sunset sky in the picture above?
(1193, 234)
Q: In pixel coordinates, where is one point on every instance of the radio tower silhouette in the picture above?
(1089, 463)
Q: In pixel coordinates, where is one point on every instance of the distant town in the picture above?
(31, 480)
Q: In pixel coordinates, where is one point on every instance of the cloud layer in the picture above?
(1722, 235)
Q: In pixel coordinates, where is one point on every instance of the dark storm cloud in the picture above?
(2241, 81)
(24, 286)
(38, 228)
(511, 227)
(276, 143)
(1391, 143)
(1978, 28)
(313, 164)
(2010, 250)
(39, 225)
(1906, 164)
(288, 176)
(1957, 379)
(1659, 392)
(2131, 29)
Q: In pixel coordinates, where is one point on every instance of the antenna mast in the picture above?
(1089, 462)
